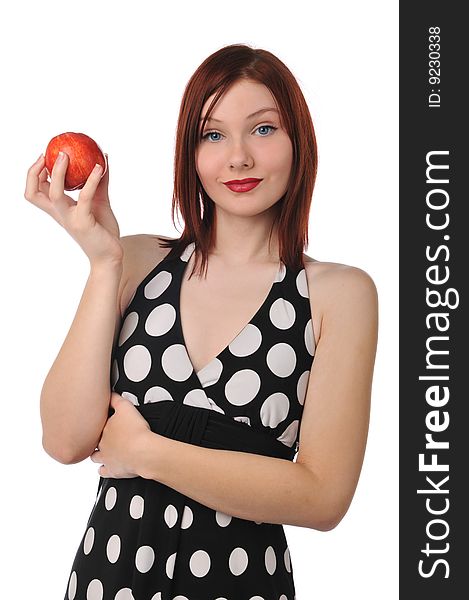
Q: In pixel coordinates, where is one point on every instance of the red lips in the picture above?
(243, 185)
(241, 181)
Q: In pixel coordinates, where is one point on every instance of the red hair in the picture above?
(214, 76)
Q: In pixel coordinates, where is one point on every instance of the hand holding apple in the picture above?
(90, 220)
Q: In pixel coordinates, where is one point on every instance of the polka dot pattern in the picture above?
(72, 586)
(136, 507)
(113, 548)
(111, 498)
(124, 594)
(144, 558)
(89, 540)
(95, 590)
(146, 540)
(199, 563)
(270, 357)
(238, 561)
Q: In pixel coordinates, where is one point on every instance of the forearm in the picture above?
(75, 394)
(240, 484)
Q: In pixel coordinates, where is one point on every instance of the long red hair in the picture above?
(214, 76)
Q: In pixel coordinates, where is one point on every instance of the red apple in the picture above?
(83, 153)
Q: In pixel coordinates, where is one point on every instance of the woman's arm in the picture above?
(315, 491)
(75, 396)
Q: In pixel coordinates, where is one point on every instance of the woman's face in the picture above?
(240, 146)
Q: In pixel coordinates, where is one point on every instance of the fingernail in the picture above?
(97, 168)
(61, 156)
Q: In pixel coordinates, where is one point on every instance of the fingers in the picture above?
(32, 191)
(106, 174)
(43, 175)
(57, 178)
(85, 198)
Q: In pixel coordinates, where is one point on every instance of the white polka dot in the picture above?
(287, 559)
(199, 563)
(99, 494)
(144, 558)
(187, 252)
(94, 591)
(222, 518)
(110, 498)
(113, 548)
(72, 586)
(283, 597)
(246, 342)
(243, 419)
(281, 273)
(215, 407)
(128, 327)
(137, 362)
(309, 338)
(129, 396)
(88, 541)
(242, 387)
(157, 285)
(124, 594)
(256, 598)
(289, 436)
(157, 596)
(115, 373)
(171, 515)
(175, 362)
(282, 313)
(211, 373)
(270, 560)
(136, 507)
(198, 398)
(274, 409)
(160, 320)
(281, 359)
(156, 394)
(170, 563)
(187, 518)
(302, 386)
(180, 598)
(302, 283)
(238, 561)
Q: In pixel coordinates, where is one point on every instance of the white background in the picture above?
(116, 70)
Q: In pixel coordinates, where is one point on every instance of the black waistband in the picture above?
(210, 429)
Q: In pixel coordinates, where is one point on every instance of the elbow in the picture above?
(57, 453)
(64, 455)
(331, 517)
(327, 524)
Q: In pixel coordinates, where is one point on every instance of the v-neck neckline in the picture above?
(251, 320)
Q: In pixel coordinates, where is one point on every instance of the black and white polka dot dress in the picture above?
(146, 541)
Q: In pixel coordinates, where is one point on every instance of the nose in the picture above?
(239, 155)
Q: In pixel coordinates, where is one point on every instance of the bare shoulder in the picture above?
(142, 253)
(141, 248)
(336, 288)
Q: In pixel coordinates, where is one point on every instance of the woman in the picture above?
(218, 381)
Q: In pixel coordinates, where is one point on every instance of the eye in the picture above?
(205, 136)
(208, 133)
(268, 127)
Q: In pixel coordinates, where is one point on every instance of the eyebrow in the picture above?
(254, 114)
